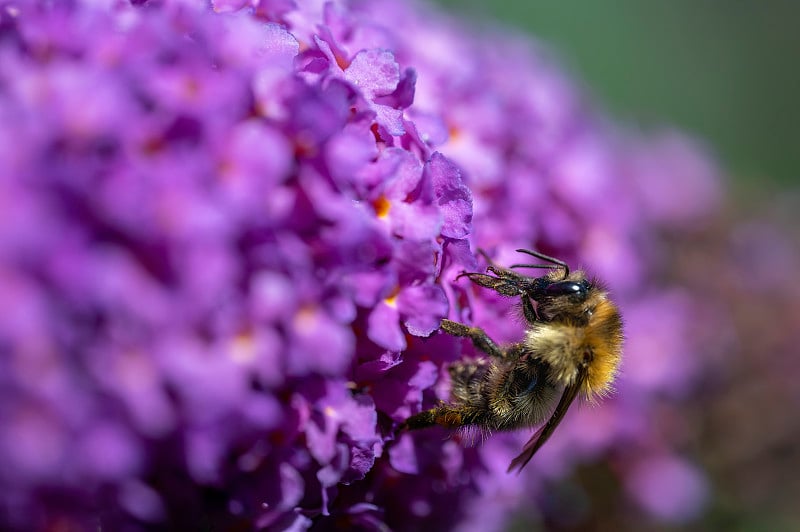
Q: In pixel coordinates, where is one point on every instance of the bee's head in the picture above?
(573, 290)
(571, 298)
(559, 293)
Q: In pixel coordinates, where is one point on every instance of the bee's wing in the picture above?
(544, 432)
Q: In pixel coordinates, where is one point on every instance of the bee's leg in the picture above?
(476, 334)
(492, 266)
(447, 416)
(504, 282)
(528, 311)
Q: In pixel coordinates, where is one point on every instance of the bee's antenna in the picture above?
(548, 258)
(542, 266)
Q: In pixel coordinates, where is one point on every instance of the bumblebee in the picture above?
(572, 347)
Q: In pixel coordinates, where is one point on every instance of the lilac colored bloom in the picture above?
(228, 235)
(669, 488)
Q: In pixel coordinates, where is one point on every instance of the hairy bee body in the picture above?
(496, 395)
(573, 334)
(572, 347)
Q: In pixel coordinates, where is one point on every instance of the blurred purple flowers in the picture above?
(228, 235)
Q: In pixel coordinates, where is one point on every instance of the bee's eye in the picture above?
(567, 288)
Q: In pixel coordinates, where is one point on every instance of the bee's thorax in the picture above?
(590, 337)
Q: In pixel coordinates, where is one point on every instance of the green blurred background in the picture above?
(725, 72)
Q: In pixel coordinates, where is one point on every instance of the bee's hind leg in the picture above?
(445, 415)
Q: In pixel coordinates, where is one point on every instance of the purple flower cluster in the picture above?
(228, 234)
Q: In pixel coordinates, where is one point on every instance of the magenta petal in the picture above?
(109, 451)
(452, 196)
(260, 152)
(292, 486)
(321, 439)
(360, 419)
(403, 96)
(414, 221)
(423, 308)
(375, 72)
(320, 345)
(349, 152)
(384, 327)
(361, 462)
(459, 252)
(367, 288)
(375, 369)
(415, 261)
(247, 40)
(400, 393)
(391, 399)
(425, 376)
(390, 118)
(226, 6)
(403, 172)
(280, 47)
(330, 474)
(403, 455)
(431, 129)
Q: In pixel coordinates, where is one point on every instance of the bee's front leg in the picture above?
(476, 334)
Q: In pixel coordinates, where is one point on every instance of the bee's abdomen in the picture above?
(521, 395)
(469, 381)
